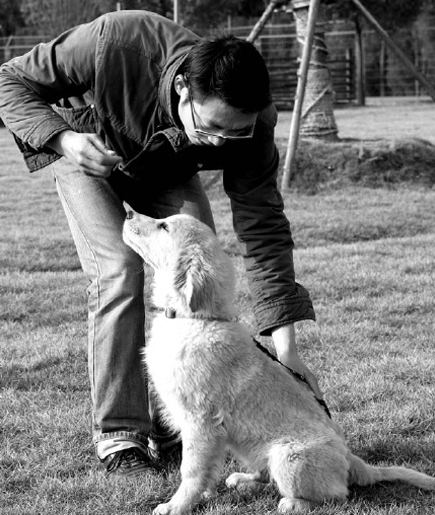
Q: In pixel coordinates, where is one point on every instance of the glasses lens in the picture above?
(244, 135)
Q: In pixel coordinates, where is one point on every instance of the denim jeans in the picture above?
(95, 209)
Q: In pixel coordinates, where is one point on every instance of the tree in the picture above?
(51, 17)
(425, 25)
(391, 14)
(209, 14)
(317, 120)
(10, 17)
(163, 7)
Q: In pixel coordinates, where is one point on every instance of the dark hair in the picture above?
(231, 69)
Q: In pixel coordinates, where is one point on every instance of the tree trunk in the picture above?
(359, 65)
(317, 119)
(383, 64)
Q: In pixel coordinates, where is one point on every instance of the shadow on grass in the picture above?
(64, 374)
(37, 255)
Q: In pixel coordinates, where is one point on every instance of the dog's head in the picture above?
(193, 275)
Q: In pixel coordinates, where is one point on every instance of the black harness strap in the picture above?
(293, 372)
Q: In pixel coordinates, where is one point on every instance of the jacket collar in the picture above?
(166, 89)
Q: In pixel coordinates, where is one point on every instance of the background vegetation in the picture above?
(49, 17)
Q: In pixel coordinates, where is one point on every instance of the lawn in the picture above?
(366, 256)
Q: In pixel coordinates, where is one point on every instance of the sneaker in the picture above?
(130, 462)
(168, 454)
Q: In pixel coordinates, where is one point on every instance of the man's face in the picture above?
(210, 121)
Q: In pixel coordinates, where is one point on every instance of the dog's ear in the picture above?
(193, 282)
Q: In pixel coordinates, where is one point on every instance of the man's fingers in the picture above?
(312, 381)
(98, 152)
(86, 150)
(96, 159)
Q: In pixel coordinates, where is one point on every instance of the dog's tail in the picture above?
(364, 474)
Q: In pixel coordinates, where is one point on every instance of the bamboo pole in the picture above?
(300, 91)
(258, 27)
(403, 57)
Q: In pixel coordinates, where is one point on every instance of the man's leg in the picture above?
(116, 310)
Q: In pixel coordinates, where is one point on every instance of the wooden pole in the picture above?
(403, 57)
(258, 27)
(176, 11)
(300, 91)
(359, 67)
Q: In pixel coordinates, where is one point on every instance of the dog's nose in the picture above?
(130, 215)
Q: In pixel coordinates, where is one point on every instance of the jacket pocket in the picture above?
(80, 119)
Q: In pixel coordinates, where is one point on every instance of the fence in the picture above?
(281, 54)
(382, 74)
(13, 46)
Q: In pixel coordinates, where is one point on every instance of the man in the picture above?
(128, 108)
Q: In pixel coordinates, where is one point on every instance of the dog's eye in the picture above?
(164, 226)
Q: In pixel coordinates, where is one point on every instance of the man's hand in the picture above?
(87, 151)
(284, 339)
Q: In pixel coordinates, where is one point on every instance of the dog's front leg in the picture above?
(203, 456)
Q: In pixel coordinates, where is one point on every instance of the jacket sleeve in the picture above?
(29, 84)
(263, 229)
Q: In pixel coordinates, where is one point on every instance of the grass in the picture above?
(365, 254)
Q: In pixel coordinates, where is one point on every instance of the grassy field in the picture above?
(366, 255)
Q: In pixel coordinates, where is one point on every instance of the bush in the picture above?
(374, 163)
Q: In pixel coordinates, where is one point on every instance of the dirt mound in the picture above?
(373, 163)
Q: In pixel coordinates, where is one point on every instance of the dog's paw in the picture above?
(235, 480)
(163, 509)
(208, 494)
(169, 508)
(247, 483)
(289, 506)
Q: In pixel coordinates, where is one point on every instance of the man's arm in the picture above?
(63, 68)
(284, 339)
(29, 84)
(262, 227)
(250, 180)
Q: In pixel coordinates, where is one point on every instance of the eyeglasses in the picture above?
(245, 134)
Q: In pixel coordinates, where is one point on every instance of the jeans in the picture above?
(95, 209)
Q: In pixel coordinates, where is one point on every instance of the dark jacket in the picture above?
(114, 76)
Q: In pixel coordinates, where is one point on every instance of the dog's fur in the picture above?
(223, 393)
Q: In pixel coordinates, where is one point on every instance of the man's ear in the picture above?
(180, 83)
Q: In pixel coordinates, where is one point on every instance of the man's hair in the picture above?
(230, 69)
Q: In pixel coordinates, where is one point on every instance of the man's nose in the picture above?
(216, 141)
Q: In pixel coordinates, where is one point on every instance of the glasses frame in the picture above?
(214, 134)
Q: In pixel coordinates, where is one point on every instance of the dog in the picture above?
(223, 393)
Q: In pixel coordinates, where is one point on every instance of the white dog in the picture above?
(223, 393)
